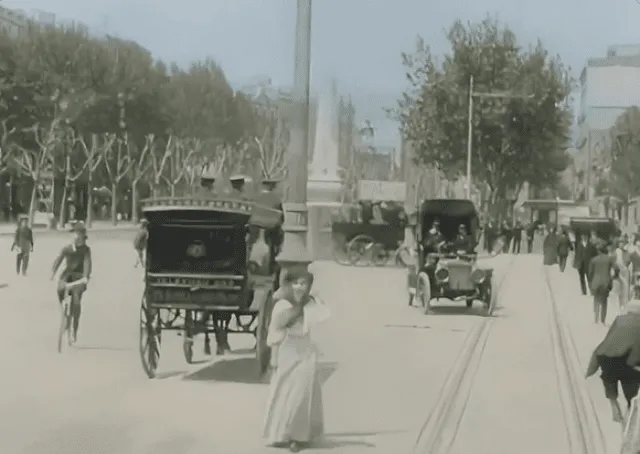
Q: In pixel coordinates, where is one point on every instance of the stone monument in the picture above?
(324, 184)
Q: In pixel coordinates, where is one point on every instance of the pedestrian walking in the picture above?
(507, 233)
(517, 237)
(602, 271)
(618, 358)
(531, 233)
(621, 285)
(564, 246)
(584, 252)
(294, 412)
(550, 247)
(23, 242)
(140, 243)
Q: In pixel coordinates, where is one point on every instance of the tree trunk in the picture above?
(114, 201)
(89, 218)
(32, 202)
(63, 205)
(173, 190)
(134, 202)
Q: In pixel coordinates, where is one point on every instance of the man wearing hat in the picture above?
(77, 258)
(602, 271)
(23, 240)
(140, 242)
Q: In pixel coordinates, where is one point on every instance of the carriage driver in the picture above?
(434, 238)
(77, 258)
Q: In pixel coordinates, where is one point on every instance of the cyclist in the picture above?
(77, 258)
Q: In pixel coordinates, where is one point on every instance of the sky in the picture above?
(358, 42)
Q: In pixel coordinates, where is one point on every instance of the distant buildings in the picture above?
(608, 85)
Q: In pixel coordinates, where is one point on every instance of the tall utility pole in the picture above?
(294, 253)
(472, 94)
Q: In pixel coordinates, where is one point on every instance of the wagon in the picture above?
(209, 259)
(372, 230)
(454, 275)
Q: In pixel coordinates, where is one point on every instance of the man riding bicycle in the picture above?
(77, 258)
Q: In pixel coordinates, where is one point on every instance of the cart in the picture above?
(208, 259)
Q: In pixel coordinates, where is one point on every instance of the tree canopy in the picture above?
(620, 178)
(104, 112)
(520, 115)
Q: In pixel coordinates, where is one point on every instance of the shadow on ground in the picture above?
(245, 370)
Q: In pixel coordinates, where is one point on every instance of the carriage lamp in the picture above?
(442, 274)
(478, 276)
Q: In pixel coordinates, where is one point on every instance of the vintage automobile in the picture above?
(209, 258)
(451, 274)
(371, 233)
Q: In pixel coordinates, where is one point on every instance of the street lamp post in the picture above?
(294, 254)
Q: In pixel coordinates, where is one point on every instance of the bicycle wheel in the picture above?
(65, 322)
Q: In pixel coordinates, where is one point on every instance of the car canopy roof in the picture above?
(450, 208)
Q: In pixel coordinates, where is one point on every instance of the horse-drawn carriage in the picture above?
(451, 274)
(209, 259)
(369, 230)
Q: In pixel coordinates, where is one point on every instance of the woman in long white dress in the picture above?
(621, 285)
(294, 412)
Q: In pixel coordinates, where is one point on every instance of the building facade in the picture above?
(608, 86)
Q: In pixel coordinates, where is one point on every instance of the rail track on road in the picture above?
(439, 430)
(584, 433)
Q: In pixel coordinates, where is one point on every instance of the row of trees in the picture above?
(520, 119)
(101, 112)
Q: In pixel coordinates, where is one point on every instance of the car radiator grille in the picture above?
(459, 277)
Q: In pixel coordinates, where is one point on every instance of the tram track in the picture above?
(584, 433)
(439, 430)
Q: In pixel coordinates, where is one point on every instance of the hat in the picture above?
(208, 175)
(79, 227)
(144, 221)
(237, 178)
(22, 217)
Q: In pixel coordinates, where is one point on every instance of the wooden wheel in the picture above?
(423, 291)
(187, 337)
(357, 248)
(150, 338)
(263, 351)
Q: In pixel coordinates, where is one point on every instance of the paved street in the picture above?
(384, 365)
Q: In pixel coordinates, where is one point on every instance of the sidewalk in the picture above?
(8, 228)
(578, 313)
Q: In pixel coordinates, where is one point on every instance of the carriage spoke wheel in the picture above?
(423, 292)
(263, 351)
(187, 338)
(491, 297)
(150, 338)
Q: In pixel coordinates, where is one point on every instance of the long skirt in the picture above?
(621, 288)
(294, 411)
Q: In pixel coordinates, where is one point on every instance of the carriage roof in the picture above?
(601, 225)
(451, 208)
(249, 211)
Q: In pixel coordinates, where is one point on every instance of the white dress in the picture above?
(294, 409)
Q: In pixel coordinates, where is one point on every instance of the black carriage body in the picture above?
(604, 228)
(209, 258)
(359, 224)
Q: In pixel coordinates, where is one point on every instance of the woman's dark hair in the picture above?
(291, 277)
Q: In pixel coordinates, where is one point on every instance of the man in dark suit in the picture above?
(531, 233)
(585, 251)
(602, 271)
(517, 237)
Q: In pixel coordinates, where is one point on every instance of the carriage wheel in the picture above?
(423, 291)
(187, 338)
(340, 254)
(263, 351)
(357, 248)
(150, 338)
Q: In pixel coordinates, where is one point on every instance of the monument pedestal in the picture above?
(322, 202)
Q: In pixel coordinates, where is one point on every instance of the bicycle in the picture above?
(67, 315)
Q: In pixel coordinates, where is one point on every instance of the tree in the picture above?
(140, 166)
(94, 154)
(621, 178)
(117, 165)
(520, 118)
(72, 164)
